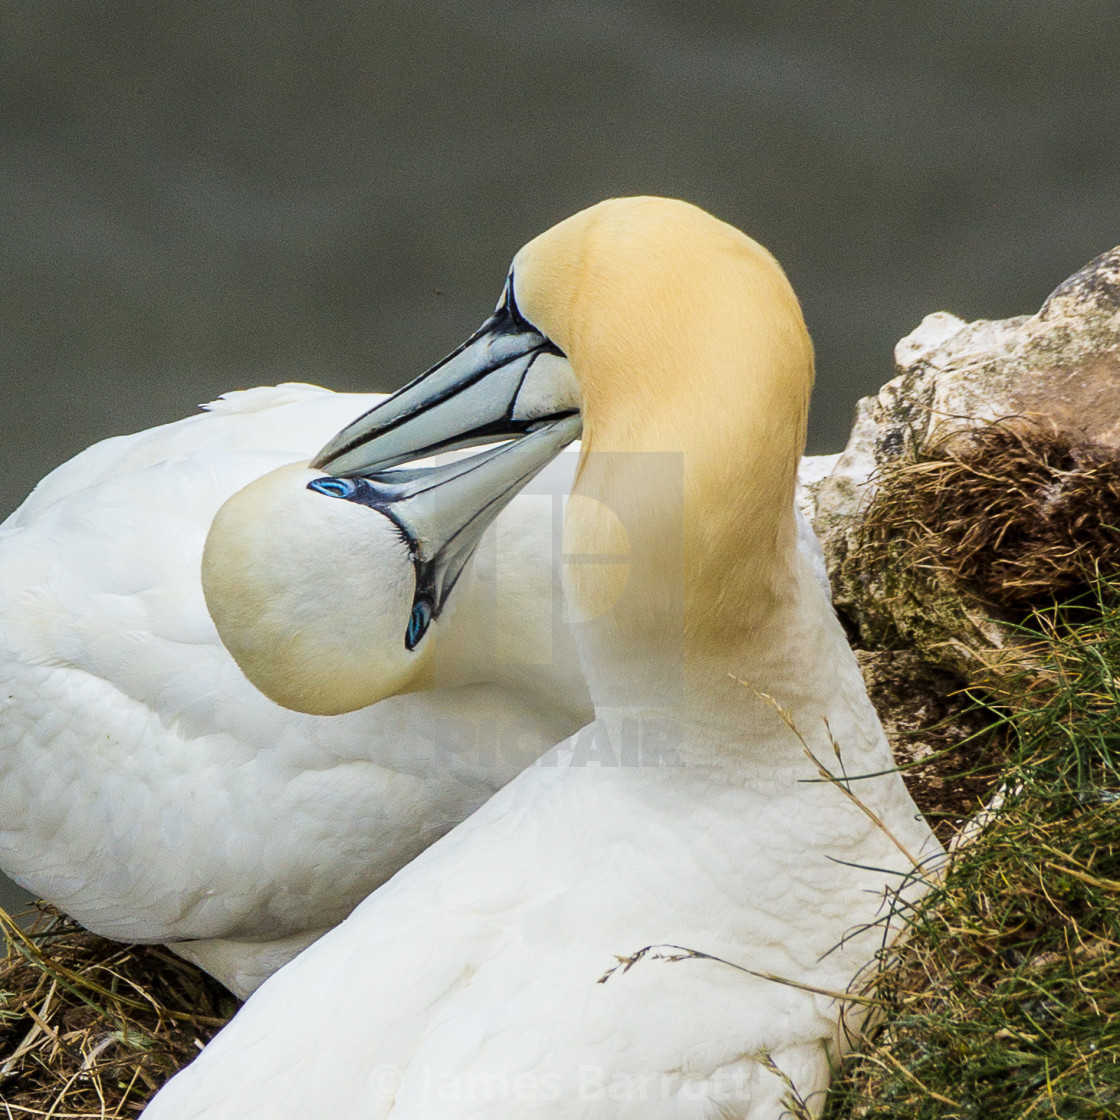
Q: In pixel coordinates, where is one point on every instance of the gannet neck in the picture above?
(692, 358)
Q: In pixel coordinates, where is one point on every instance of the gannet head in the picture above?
(656, 322)
(328, 591)
(665, 330)
(311, 597)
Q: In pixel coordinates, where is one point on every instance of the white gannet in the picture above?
(687, 816)
(147, 789)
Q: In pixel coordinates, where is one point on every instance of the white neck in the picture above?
(721, 698)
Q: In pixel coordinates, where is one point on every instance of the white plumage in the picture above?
(147, 788)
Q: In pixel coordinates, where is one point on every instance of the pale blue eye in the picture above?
(333, 487)
(418, 623)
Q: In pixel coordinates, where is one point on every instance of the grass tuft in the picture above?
(1003, 999)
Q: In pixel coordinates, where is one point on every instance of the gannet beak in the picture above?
(443, 511)
(506, 380)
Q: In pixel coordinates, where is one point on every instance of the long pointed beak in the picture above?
(478, 394)
(444, 510)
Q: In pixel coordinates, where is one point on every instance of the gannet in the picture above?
(501, 974)
(147, 789)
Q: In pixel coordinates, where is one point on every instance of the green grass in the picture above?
(1003, 1001)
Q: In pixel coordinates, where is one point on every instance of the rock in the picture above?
(983, 480)
(811, 473)
(945, 745)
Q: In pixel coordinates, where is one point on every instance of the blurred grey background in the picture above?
(208, 196)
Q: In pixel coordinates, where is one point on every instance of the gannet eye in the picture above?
(418, 623)
(333, 487)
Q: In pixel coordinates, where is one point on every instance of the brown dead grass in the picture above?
(91, 1028)
(1018, 512)
(1002, 1001)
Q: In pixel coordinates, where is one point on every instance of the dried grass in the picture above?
(1017, 512)
(91, 1028)
(1002, 1001)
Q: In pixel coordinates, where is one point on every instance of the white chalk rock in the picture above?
(1057, 371)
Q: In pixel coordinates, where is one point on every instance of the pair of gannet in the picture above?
(146, 789)
(484, 979)
(149, 790)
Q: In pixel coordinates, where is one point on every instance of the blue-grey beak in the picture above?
(443, 511)
(505, 381)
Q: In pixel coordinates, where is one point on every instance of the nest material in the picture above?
(91, 1028)
(969, 535)
(1017, 512)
